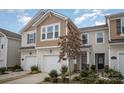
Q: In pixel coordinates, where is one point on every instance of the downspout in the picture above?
(109, 51)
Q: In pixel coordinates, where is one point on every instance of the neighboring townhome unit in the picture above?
(94, 47)
(40, 36)
(9, 48)
(116, 41)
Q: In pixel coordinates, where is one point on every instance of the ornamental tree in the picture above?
(70, 45)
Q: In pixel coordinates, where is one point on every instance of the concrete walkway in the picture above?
(13, 74)
(31, 79)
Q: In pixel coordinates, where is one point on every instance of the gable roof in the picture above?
(10, 34)
(39, 16)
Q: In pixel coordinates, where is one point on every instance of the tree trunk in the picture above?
(69, 68)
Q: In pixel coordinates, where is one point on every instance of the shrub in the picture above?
(107, 81)
(87, 80)
(116, 81)
(53, 74)
(17, 67)
(106, 69)
(77, 78)
(102, 81)
(114, 74)
(34, 68)
(88, 76)
(93, 67)
(2, 70)
(64, 70)
(46, 79)
(84, 73)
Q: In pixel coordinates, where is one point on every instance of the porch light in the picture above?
(30, 53)
(22, 59)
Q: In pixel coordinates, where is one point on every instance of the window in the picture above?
(31, 38)
(122, 26)
(99, 37)
(43, 33)
(56, 31)
(50, 32)
(0, 39)
(85, 38)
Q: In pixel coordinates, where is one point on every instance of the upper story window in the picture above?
(56, 31)
(1, 44)
(85, 37)
(30, 38)
(43, 33)
(0, 39)
(99, 37)
(122, 26)
(50, 32)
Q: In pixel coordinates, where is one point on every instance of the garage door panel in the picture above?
(121, 62)
(30, 61)
(50, 63)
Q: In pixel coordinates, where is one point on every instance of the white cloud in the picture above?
(78, 20)
(23, 19)
(99, 22)
(76, 11)
(21, 15)
(89, 15)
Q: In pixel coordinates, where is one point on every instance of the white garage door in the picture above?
(121, 62)
(50, 63)
(30, 61)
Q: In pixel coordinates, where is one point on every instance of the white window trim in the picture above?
(122, 34)
(96, 37)
(45, 26)
(87, 38)
(31, 32)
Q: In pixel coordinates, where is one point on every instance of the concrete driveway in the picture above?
(31, 79)
(13, 74)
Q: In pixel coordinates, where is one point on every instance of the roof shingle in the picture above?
(10, 34)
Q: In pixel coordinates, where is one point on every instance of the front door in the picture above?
(99, 58)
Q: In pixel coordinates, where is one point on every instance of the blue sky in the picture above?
(14, 20)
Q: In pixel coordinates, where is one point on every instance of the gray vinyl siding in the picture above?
(97, 48)
(13, 52)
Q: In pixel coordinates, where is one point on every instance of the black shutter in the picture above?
(118, 22)
(34, 37)
(27, 38)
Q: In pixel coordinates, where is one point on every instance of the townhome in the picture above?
(94, 47)
(9, 48)
(100, 45)
(116, 41)
(39, 46)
